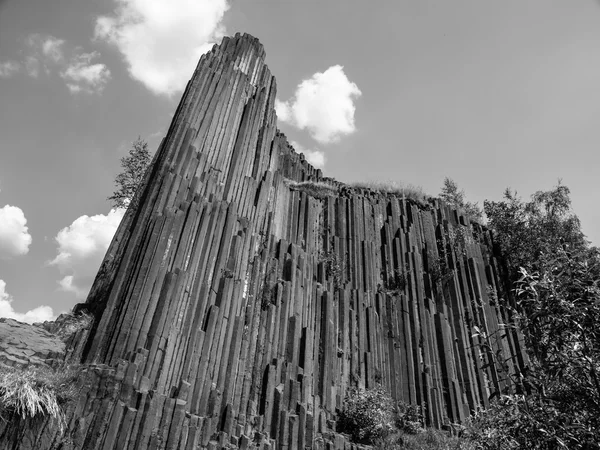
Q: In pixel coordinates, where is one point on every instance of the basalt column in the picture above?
(244, 293)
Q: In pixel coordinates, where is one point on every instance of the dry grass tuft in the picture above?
(37, 392)
(407, 191)
(313, 188)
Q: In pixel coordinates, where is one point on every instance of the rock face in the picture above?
(23, 345)
(235, 307)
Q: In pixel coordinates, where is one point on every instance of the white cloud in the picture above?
(14, 236)
(39, 314)
(52, 48)
(43, 52)
(323, 105)
(161, 41)
(32, 66)
(81, 75)
(9, 68)
(81, 248)
(315, 157)
(48, 54)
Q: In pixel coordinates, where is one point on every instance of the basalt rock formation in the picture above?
(244, 293)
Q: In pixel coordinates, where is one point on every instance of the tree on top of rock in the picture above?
(455, 197)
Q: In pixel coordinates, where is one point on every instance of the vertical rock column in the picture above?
(160, 286)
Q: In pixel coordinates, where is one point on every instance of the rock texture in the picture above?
(23, 345)
(235, 308)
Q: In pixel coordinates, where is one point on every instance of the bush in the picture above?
(37, 392)
(368, 414)
(409, 418)
(455, 198)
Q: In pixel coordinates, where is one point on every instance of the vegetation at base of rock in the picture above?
(131, 178)
(370, 415)
(367, 415)
(35, 392)
(315, 189)
(429, 439)
(405, 191)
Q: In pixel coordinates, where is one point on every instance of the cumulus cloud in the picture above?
(14, 236)
(323, 105)
(48, 54)
(51, 47)
(81, 248)
(9, 68)
(161, 41)
(39, 314)
(43, 52)
(314, 157)
(81, 75)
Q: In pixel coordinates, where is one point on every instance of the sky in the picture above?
(492, 94)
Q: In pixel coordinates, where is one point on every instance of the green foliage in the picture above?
(313, 188)
(557, 308)
(368, 414)
(409, 418)
(372, 416)
(559, 314)
(439, 270)
(460, 237)
(131, 178)
(31, 393)
(428, 439)
(524, 231)
(455, 198)
(334, 267)
(526, 422)
(395, 284)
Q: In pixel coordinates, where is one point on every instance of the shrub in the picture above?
(455, 198)
(409, 418)
(396, 283)
(37, 392)
(368, 414)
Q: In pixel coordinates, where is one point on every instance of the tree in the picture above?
(455, 197)
(556, 276)
(524, 231)
(131, 178)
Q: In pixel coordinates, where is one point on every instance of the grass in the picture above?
(313, 188)
(35, 392)
(428, 439)
(407, 191)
